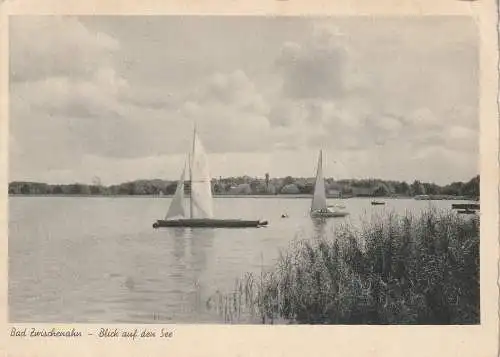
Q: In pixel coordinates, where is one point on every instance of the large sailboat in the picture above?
(200, 212)
(319, 207)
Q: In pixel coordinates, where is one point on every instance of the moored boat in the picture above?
(466, 211)
(209, 223)
(466, 208)
(200, 199)
(469, 206)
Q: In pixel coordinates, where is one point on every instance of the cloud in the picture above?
(68, 99)
(372, 109)
(102, 116)
(51, 46)
(63, 82)
(461, 138)
(423, 118)
(315, 123)
(231, 113)
(234, 89)
(314, 69)
(66, 96)
(286, 113)
(442, 163)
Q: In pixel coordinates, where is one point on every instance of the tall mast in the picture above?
(191, 173)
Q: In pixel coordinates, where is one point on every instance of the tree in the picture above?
(217, 188)
(416, 188)
(170, 189)
(79, 189)
(123, 189)
(288, 180)
(57, 190)
(25, 189)
(402, 188)
(454, 189)
(308, 188)
(471, 188)
(254, 185)
(381, 191)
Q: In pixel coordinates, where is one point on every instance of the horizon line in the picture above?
(244, 176)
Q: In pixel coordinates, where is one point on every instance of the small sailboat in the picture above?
(466, 208)
(467, 211)
(201, 199)
(319, 207)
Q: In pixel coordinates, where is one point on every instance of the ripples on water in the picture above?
(99, 260)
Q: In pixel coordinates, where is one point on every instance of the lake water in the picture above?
(98, 259)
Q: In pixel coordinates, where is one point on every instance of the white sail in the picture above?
(201, 187)
(319, 197)
(176, 209)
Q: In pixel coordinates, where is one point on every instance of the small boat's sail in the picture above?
(319, 198)
(201, 205)
(177, 209)
(319, 207)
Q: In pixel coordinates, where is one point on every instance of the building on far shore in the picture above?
(265, 189)
(290, 189)
(241, 189)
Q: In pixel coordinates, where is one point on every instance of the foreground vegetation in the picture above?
(394, 270)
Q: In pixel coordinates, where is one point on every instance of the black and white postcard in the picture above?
(269, 179)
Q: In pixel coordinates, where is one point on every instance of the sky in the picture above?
(116, 97)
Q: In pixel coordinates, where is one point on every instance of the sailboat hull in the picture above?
(210, 223)
(329, 214)
(466, 211)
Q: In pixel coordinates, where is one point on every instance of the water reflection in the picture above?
(200, 243)
(178, 236)
(319, 227)
(190, 249)
(164, 283)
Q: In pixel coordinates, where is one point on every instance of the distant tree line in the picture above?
(246, 185)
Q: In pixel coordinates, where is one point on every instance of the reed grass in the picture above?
(397, 269)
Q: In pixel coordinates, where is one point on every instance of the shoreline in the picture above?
(290, 196)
